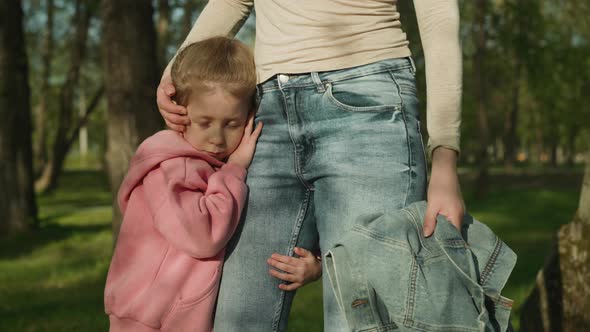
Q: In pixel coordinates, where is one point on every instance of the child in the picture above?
(182, 198)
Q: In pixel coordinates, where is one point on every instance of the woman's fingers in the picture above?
(177, 119)
(281, 266)
(175, 127)
(165, 103)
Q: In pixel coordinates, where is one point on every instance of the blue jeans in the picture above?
(335, 145)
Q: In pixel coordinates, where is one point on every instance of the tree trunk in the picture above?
(131, 78)
(481, 97)
(40, 149)
(18, 208)
(511, 121)
(53, 169)
(560, 300)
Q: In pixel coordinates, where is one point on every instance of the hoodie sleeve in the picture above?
(195, 208)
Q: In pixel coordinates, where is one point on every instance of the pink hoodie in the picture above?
(180, 208)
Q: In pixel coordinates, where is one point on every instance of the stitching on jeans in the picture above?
(408, 142)
(294, 238)
(359, 109)
(346, 77)
(295, 156)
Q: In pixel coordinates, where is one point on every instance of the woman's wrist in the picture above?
(444, 159)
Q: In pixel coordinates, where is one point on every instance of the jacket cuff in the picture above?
(236, 170)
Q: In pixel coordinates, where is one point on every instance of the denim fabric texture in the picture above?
(388, 277)
(335, 145)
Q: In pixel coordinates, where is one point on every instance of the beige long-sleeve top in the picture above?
(299, 36)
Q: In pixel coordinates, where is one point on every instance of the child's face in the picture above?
(217, 124)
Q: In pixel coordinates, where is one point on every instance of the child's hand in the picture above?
(297, 270)
(245, 151)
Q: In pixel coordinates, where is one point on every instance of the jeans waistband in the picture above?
(314, 78)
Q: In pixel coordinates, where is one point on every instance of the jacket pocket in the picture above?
(194, 313)
(159, 299)
(441, 298)
(376, 92)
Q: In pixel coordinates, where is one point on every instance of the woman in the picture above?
(341, 137)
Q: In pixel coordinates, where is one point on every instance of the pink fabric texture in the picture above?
(180, 207)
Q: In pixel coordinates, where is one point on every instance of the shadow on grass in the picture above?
(78, 188)
(80, 205)
(76, 307)
(23, 244)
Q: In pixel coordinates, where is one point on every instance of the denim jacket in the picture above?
(388, 277)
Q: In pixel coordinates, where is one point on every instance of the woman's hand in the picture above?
(444, 192)
(297, 270)
(244, 153)
(175, 115)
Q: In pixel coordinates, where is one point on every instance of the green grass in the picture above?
(52, 279)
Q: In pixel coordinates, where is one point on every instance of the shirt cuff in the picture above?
(447, 142)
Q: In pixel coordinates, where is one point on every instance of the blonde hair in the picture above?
(214, 61)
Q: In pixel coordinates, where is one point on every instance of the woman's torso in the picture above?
(321, 35)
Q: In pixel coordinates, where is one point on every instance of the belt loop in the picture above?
(413, 65)
(258, 95)
(318, 82)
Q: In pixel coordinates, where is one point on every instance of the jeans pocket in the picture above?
(376, 92)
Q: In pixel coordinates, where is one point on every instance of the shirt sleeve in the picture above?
(218, 18)
(196, 214)
(438, 22)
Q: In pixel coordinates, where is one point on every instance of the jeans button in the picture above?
(283, 78)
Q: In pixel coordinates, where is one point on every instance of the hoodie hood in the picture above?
(161, 146)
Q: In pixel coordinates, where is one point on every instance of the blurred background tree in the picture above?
(77, 89)
(18, 209)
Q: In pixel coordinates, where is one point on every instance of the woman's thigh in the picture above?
(369, 157)
(278, 215)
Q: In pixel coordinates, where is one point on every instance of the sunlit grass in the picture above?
(53, 279)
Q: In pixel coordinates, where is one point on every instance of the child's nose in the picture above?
(218, 139)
